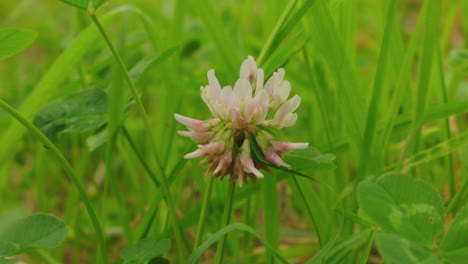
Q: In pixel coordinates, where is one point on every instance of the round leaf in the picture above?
(404, 206)
(36, 231)
(82, 111)
(454, 246)
(397, 250)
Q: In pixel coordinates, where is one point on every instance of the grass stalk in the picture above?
(367, 249)
(202, 219)
(102, 258)
(225, 221)
(141, 108)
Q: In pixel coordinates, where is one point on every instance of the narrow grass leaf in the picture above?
(380, 79)
(235, 226)
(85, 4)
(430, 45)
(214, 26)
(438, 151)
(271, 212)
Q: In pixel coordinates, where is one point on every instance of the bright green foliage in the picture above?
(85, 4)
(369, 74)
(404, 206)
(459, 61)
(9, 261)
(13, 40)
(397, 250)
(36, 231)
(309, 159)
(454, 246)
(146, 249)
(80, 112)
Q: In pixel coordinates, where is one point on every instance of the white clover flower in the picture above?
(241, 115)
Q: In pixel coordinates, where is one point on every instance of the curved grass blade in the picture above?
(223, 231)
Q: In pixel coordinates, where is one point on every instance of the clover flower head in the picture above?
(242, 116)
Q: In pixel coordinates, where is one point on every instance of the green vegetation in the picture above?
(92, 169)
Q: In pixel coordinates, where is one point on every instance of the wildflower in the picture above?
(240, 121)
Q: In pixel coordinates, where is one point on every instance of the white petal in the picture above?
(212, 80)
(288, 107)
(258, 107)
(243, 90)
(284, 91)
(260, 79)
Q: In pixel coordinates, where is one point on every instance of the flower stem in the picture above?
(309, 211)
(201, 221)
(225, 221)
(163, 178)
(69, 170)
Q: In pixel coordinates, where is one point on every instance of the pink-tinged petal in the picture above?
(199, 137)
(197, 153)
(212, 147)
(212, 80)
(275, 159)
(248, 69)
(288, 107)
(193, 124)
(283, 146)
(224, 163)
(260, 79)
(243, 90)
(249, 166)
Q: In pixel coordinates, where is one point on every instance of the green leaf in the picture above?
(458, 60)
(454, 246)
(159, 260)
(397, 250)
(85, 4)
(234, 226)
(146, 249)
(36, 231)
(13, 40)
(404, 206)
(9, 261)
(438, 151)
(309, 159)
(82, 111)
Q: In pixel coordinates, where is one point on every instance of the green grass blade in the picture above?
(235, 226)
(381, 77)
(271, 214)
(430, 46)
